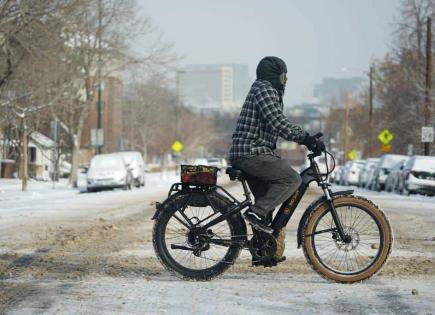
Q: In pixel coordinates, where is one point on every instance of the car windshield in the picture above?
(424, 164)
(105, 162)
(390, 160)
(130, 158)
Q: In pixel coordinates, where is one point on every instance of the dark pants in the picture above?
(270, 179)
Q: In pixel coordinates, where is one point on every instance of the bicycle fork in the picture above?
(345, 238)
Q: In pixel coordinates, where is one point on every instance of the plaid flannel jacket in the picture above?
(260, 123)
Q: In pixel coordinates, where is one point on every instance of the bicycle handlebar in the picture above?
(318, 147)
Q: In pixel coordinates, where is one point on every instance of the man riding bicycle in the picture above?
(199, 233)
(260, 123)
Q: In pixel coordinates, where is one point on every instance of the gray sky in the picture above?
(316, 38)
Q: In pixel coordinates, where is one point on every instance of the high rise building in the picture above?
(219, 87)
(334, 89)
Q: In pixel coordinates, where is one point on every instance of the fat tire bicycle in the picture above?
(199, 231)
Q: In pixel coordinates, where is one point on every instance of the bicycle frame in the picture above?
(286, 210)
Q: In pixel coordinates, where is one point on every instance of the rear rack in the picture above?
(190, 188)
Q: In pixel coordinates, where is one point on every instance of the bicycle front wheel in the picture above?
(360, 257)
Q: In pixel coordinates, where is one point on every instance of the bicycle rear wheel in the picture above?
(361, 257)
(194, 255)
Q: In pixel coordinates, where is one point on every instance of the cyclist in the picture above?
(259, 125)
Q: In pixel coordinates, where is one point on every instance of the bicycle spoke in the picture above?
(177, 233)
(359, 252)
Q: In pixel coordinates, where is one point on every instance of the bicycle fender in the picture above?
(316, 203)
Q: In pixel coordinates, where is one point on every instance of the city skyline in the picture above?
(317, 40)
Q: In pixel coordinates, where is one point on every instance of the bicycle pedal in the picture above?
(280, 259)
(268, 262)
(264, 263)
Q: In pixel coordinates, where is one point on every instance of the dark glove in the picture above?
(308, 141)
(313, 143)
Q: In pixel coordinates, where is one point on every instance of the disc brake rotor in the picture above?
(354, 239)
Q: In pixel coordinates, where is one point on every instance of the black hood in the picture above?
(272, 70)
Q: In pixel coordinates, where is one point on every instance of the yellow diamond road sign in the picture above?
(352, 155)
(385, 136)
(177, 146)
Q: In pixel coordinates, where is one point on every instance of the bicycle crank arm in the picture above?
(173, 246)
(226, 243)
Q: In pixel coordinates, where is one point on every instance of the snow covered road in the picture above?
(70, 253)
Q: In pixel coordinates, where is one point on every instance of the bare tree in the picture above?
(400, 76)
(155, 120)
(29, 41)
(98, 44)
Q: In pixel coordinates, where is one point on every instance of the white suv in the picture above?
(418, 175)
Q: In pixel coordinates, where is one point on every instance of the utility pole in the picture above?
(97, 144)
(427, 103)
(346, 127)
(371, 112)
(177, 119)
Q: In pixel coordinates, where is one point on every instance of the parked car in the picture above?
(64, 169)
(383, 169)
(352, 172)
(216, 162)
(418, 175)
(200, 161)
(393, 178)
(365, 171)
(370, 176)
(344, 172)
(134, 160)
(108, 171)
(334, 177)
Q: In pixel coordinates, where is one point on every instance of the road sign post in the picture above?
(385, 136)
(352, 155)
(427, 134)
(177, 147)
(97, 138)
(385, 148)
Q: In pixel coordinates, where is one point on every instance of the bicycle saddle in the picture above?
(234, 173)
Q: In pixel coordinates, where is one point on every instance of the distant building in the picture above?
(306, 115)
(335, 88)
(219, 87)
(39, 154)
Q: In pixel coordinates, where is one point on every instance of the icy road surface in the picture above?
(62, 252)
